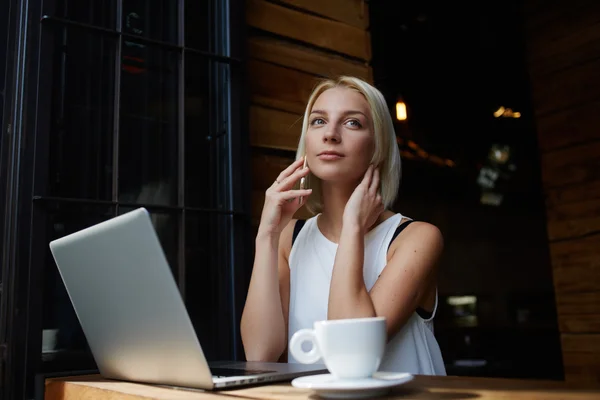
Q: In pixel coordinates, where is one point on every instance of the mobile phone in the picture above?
(302, 182)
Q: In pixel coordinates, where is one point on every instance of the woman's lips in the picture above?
(330, 156)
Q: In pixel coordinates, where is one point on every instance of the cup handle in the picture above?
(304, 335)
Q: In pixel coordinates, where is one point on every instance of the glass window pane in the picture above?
(93, 12)
(206, 133)
(81, 134)
(207, 282)
(154, 19)
(62, 219)
(148, 125)
(198, 25)
(166, 227)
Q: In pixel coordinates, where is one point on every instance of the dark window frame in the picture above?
(22, 174)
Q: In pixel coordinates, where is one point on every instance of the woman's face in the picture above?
(340, 141)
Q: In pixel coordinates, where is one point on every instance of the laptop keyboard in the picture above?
(227, 372)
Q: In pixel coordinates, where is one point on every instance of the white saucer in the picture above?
(329, 387)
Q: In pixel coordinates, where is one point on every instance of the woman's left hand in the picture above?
(365, 205)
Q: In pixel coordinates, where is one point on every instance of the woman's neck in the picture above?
(335, 197)
(334, 200)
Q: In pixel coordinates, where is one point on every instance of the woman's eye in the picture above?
(317, 121)
(354, 123)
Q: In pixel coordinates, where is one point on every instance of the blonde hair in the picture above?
(386, 155)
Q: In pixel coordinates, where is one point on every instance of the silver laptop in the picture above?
(133, 316)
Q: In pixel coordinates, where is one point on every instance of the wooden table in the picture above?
(422, 387)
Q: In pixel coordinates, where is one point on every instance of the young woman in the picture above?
(355, 258)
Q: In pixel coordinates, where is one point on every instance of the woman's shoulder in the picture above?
(417, 234)
(418, 227)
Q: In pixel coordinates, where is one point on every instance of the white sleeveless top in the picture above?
(413, 349)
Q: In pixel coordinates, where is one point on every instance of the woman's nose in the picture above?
(332, 135)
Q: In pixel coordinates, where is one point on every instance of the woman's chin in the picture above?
(337, 176)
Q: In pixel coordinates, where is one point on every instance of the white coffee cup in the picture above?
(350, 348)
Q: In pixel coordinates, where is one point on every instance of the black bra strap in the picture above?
(399, 229)
(424, 313)
(297, 228)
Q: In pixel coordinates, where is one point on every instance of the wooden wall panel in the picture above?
(571, 165)
(572, 193)
(579, 303)
(564, 59)
(548, 20)
(581, 343)
(293, 45)
(575, 86)
(581, 353)
(556, 28)
(551, 59)
(579, 323)
(266, 168)
(581, 358)
(579, 312)
(351, 12)
(276, 129)
(569, 127)
(576, 266)
(321, 32)
(306, 59)
(573, 219)
(578, 277)
(280, 88)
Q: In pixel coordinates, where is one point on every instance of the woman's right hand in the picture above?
(280, 199)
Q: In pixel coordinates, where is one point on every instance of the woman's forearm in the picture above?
(348, 295)
(263, 324)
